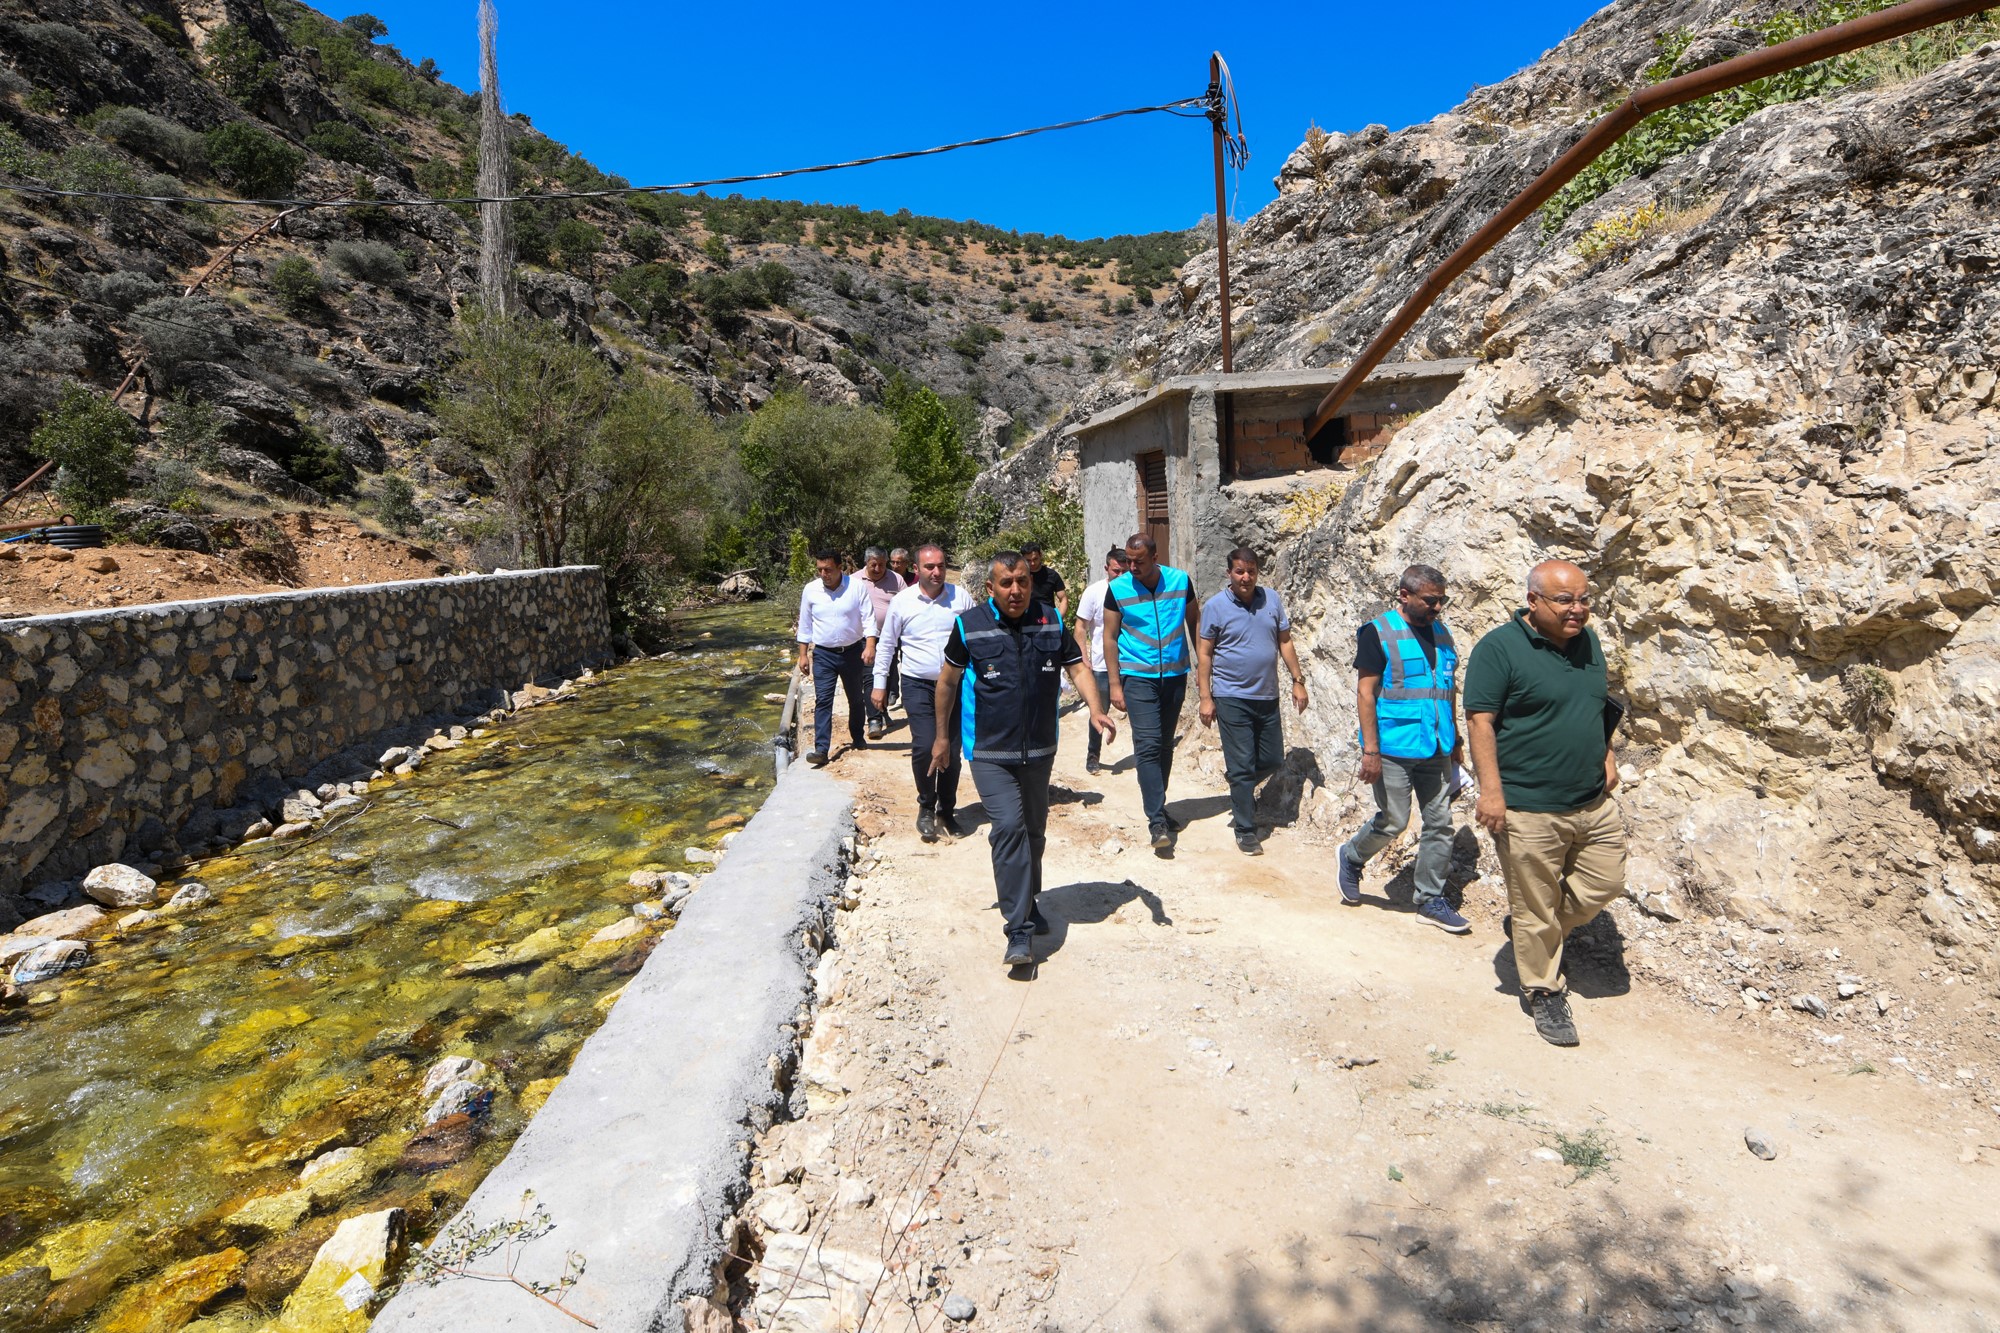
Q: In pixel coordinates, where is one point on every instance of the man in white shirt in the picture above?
(919, 622)
(1090, 633)
(883, 584)
(836, 627)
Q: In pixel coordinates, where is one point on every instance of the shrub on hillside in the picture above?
(368, 261)
(190, 430)
(577, 243)
(650, 289)
(344, 143)
(239, 62)
(828, 471)
(296, 283)
(317, 462)
(92, 443)
(124, 291)
(149, 136)
(396, 505)
(644, 243)
(178, 330)
(253, 160)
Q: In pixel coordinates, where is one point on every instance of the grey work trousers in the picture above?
(1016, 797)
(1429, 782)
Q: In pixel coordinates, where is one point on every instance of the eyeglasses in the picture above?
(1432, 600)
(1564, 600)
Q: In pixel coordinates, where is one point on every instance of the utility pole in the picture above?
(496, 234)
(1218, 117)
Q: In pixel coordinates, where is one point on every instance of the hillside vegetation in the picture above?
(318, 362)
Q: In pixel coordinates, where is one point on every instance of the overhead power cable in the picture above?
(49, 191)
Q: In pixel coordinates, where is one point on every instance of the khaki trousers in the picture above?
(1561, 869)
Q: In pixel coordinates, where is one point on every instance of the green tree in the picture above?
(92, 443)
(397, 504)
(190, 430)
(828, 471)
(649, 489)
(239, 62)
(577, 244)
(930, 453)
(530, 401)
(255, 161)
(365, 26)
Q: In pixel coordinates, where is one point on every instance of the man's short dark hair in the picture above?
(1031, 548)
(1116, 553)
(1010, 559)
(1419, 577)
(1144, 542)
(827, 553)
(1247, 556)
(929, 546)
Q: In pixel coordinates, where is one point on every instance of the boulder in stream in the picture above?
(189, 896)
(450, 1070)
(363, 1253)
(118, 885)
(460, 1097)
(75, 923)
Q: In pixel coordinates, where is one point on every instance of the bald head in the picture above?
(1558, 600)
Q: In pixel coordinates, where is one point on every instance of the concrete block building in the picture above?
(1206, 462)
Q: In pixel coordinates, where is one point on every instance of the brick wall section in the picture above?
(117, 728)
(1276, 448)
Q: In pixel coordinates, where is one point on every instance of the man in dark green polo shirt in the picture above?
(1536, 705)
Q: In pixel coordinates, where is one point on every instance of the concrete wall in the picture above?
(1110, 479)
(120, 729)
(641, 1154)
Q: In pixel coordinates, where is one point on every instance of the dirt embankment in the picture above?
(296, 550)
(1226, 1102)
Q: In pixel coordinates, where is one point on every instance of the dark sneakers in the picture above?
(927, 826)
(951, 826)
(1247, 844)
(1350, 879)
(1162, 836)
(1552, 1020)
(1020, 953)
(1439, 913)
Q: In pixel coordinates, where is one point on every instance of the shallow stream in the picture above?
(201, 1060)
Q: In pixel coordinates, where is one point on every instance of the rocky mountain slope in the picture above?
(317, 341)
(1751, 392)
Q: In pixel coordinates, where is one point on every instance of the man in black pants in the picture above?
(836, 626)
(920, 621)
(1001, 673)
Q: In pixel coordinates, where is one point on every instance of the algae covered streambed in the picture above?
(156, 1113)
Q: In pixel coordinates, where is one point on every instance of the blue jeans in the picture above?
(1253, 747)
(1154, 705)
(838, 666)
(1429, 782)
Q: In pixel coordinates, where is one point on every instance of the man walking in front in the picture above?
(1090, 633)
(1408, 668)
(1049, 585)
(836, 622)
(1244, 634)
(1538, 707)
(1000, 670)
(1150, 617)
(920, 621)
(883, 584)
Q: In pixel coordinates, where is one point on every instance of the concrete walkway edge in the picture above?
(640, 1155)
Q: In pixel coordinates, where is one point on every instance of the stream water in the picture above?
(201, 1060)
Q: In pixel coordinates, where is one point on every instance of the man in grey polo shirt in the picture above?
(1244, 633)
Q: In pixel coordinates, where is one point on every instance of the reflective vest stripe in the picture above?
(1413, 713)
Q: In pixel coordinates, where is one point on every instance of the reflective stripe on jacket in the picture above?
(1413, 714)
(1151, 636)
(1008, 697)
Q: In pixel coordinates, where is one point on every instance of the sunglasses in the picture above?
(1432, 600)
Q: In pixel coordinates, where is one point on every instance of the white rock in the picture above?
(781, 1209)
(260, 829)
(286, 832)
(449, 1070)
(700, 856)
(133, 920)
(77, 923)
(326, 1161)
(463, 1096)
(188, 896)
(121, 886)
(393, 756)
(623, 929)
(853, 1192)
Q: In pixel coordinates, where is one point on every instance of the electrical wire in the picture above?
(49, 191)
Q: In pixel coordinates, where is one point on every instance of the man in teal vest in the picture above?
(1150, 623)
(1408, 667)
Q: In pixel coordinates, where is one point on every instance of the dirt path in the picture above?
(1226, 1102)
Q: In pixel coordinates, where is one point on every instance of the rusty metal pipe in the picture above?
(1881, 26)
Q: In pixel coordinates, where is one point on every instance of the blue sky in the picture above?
(659, 92)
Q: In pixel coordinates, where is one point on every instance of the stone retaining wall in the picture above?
(120, 728)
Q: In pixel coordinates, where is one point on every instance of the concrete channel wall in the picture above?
(121, 729)
(641, 1154)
